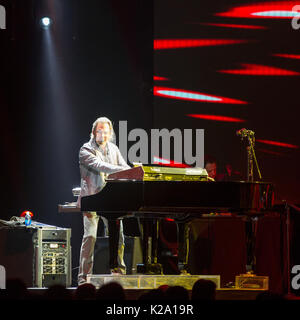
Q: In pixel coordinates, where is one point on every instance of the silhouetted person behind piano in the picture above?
(210, 164)
(98, 158)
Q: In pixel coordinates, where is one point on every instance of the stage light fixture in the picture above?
(45, 22)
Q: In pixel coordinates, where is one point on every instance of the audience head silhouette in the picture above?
(177, 293)
(58, 292)
(204, 290)
(16, 289)
(111, 291)
(86, 291)
(154, 294)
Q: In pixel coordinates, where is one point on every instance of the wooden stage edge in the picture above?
(221, 294)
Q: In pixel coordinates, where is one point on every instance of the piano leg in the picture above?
(146, 226)
(114, 233)
(154, 247)
(183, 232)
(251, 225)
(150, 262)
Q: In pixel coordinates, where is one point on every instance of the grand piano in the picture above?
(152, 193)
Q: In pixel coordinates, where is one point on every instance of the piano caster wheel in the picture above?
(153, 268)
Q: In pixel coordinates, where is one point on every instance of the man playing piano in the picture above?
(98, 158)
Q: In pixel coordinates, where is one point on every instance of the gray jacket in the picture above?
(95, 166)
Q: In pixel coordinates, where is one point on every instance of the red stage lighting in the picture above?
(278, 144)
(169, 163)
(271, 152)
(236, 26)
(260, 70)
(263, 10)
(160, 78)
(289, 56)
(180, 94)
(215, 118)
(189, 43)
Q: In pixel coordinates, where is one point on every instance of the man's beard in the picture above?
(101, 142)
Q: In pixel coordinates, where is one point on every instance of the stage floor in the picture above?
(136, 285)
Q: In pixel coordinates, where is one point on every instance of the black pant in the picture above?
(114, 234)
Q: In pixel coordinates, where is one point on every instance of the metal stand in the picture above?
(251, 230)
(251, 223)
(183, 239)
(244, 133)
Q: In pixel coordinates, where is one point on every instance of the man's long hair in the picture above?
(112, 137)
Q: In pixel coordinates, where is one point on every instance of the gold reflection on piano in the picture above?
(152, 173)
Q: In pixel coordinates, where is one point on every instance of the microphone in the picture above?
(244, 133)
(240, 132)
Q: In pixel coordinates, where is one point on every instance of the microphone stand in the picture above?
(251, 222)
(244, 133)
(251, 156)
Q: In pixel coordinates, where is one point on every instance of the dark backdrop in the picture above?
(272, 109)
(95, 60)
